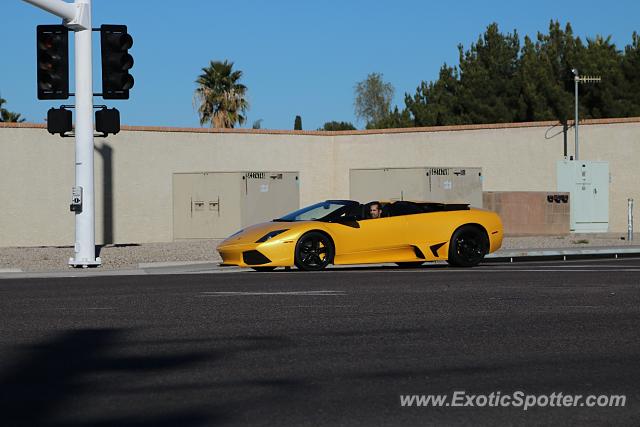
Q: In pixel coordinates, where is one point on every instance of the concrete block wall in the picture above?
(134, 169)
(530, 212)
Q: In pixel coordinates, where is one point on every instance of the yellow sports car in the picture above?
(348, 232)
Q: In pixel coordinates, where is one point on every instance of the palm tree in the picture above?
(8, 116)
(220, 96)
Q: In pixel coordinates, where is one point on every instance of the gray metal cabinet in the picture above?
(588, 185)
(210, 205)
(435, 184)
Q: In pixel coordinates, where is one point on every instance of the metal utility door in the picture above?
(588, 183)
(387, 184)
(592, 196)
(269, 195)
(206, 205)
(455, 185)
(600, 182)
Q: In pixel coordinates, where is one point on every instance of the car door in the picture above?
(372, 241)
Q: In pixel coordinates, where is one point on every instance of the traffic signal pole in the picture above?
(77, 17)
(85, 246)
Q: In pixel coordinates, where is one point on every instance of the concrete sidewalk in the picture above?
(194, 255)
(207, 267)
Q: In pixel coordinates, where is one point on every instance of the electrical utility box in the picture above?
(433, 184)
(213, 205)
(587, 183)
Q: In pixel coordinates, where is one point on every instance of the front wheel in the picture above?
(314, 251)
(468, 246)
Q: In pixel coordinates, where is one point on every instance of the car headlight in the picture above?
(270, 235)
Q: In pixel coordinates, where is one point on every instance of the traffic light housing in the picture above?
(116, 61)
(108, 121)
(52, 47)
(59, 121)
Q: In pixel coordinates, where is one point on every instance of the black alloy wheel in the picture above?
(314, 251)
(468, 246)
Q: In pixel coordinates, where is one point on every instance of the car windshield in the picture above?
(320, 211)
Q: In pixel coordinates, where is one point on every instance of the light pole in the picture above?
(77, 17)
(578, 79)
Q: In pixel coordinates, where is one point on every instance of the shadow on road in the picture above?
(104, 377)
(51, 376)
(125, 377)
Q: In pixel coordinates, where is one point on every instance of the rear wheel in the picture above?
(263, 269)
(314, 251)
(469, 244)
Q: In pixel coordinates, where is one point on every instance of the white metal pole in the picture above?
(85, 245)
(576, 78)
(77, 16)
(629, 219)
(57, 7)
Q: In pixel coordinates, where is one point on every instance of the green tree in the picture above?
(608, 97)
(395, 119)
(631, 71)
(497, 80)
(297, 124)
(436, 103)
(220, 96)
(333, 125)
(484, 88)
(558, 52)
(538, 85)
(489, 89)
(373, 98)
(8, 116)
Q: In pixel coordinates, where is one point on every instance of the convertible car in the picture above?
(342, 232)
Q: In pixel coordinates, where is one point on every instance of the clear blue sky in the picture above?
(298, 57)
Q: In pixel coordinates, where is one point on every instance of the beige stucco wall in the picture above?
(37, 172)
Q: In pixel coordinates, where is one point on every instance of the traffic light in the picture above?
(53, 61)
(116, 61)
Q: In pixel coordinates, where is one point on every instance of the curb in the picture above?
(512, 255)
(144, 265)
(199, 267)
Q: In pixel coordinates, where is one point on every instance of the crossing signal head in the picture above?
(59, 121)
(108, 121)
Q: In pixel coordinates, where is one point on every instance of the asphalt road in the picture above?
(330, 348)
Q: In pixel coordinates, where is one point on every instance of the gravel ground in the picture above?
(113, 256)
(129, 256)
(575, 240)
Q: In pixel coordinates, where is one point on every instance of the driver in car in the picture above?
(375, 210)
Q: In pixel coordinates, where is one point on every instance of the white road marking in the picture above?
(296, 293)
(566, 267)
(317, 306)
(583, 306)
(482, 270)
(555, 269)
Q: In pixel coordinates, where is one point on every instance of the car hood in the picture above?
(254, 232)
